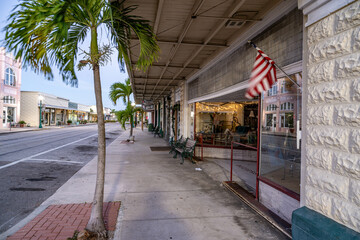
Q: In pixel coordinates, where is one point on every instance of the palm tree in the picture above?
(120, 90)
(47, 33)
(125, 115)
(124, 91)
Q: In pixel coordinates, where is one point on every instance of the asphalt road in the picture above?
(33, 165)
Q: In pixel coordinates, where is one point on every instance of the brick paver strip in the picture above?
(58, 222)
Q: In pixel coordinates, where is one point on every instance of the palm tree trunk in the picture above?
(96, 222)
(131, 125)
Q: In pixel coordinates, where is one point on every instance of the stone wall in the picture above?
(332, 104)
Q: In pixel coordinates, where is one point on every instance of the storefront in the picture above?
(306, 142)
(262, 136)
(10, 84)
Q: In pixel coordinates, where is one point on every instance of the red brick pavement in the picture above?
(58, 222)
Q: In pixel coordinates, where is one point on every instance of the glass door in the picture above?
(4, 115)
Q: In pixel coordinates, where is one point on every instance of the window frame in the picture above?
(10, 77)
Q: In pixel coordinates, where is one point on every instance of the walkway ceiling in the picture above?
(190, 33)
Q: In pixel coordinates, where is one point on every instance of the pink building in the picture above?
(10, 83)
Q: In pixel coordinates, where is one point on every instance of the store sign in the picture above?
(73, 105)
(148, 107)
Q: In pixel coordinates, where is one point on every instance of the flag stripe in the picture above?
(263, 75)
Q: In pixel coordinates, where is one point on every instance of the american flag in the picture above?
(263, 75)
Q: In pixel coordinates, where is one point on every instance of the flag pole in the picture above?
(253, 44)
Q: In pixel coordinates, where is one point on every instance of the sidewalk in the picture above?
(160, 199)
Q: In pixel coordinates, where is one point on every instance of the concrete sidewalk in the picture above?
(161, 199)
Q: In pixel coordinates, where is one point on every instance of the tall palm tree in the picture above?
(47, 33)
(120, 90)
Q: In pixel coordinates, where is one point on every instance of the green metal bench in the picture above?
(187, 150)
(176, 144)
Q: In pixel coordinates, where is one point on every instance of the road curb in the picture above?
(119, 220)
(23, 222)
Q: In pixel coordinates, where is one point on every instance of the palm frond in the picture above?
(120, 90)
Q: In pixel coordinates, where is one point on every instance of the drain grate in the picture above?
(27, 189)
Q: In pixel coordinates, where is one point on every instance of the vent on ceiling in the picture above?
(234, 23)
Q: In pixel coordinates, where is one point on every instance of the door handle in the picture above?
(298, 134)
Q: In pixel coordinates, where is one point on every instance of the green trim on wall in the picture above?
(308, 224)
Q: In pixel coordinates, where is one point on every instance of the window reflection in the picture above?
(281, 133)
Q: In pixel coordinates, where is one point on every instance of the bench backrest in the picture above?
(190, 143)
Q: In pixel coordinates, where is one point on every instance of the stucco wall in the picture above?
(332, 103)
(30, 108)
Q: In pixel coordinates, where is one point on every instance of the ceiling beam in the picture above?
(229, 18)
(229, 13)
(154, 78)
(159, 85)
(156, 27)
(158, 15)
(171, 65)
(195, 10)
(188, 43)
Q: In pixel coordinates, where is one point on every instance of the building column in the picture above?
(330, 176)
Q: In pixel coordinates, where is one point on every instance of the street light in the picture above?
(41, 98)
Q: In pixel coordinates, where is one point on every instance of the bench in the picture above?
(186, 150)
(156, 131)
(159, 132)
(176, 144)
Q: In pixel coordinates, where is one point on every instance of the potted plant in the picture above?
(69, 122)
(22, 123)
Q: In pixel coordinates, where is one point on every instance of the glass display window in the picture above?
(220, 123)
(280, 150)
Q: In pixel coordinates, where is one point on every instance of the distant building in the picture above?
(54, 110)
(10, 75)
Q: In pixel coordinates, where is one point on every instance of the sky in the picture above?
(84, 93)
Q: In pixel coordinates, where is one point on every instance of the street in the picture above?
(33, 165)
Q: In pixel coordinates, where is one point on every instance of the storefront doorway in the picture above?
(9, 116)
(4, 115)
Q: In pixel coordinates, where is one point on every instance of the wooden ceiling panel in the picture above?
(190, 33)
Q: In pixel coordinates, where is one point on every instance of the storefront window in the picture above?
(280, 143)
(9, 100)
(219, 123)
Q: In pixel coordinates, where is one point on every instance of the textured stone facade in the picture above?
(332, 179)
